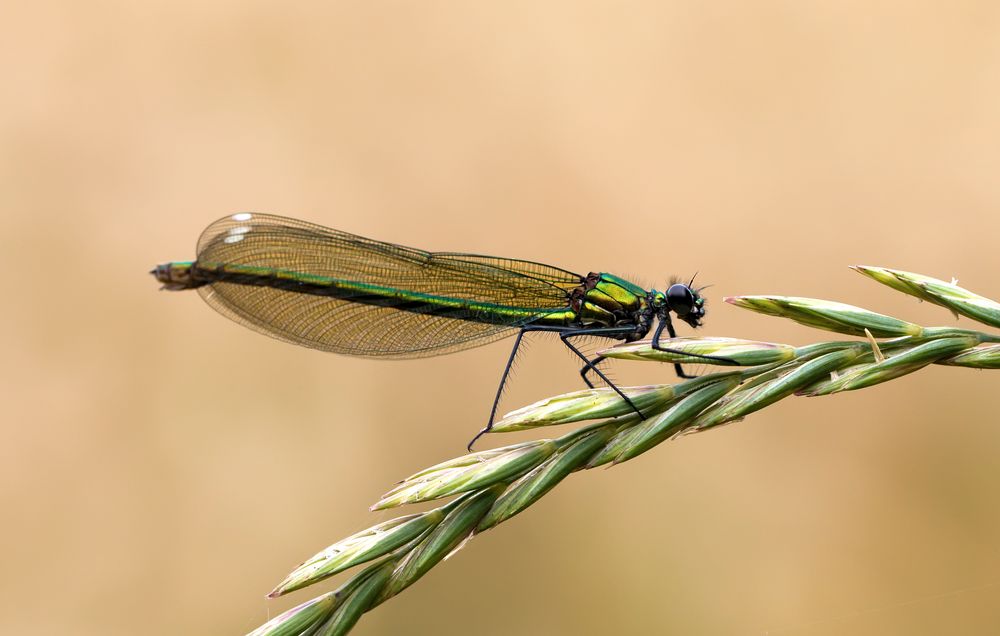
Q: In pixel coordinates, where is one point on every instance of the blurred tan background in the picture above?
(162, 468)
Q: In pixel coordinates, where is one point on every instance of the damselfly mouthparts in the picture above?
(334, 291)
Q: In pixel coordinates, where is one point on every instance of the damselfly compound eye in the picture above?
(680, 298)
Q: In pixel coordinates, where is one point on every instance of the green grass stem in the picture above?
(494, 485)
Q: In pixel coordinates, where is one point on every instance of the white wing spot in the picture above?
(242, 216)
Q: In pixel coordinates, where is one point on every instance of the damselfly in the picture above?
(334, 291)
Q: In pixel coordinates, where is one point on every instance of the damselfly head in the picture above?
(174, 276)
(686, 303)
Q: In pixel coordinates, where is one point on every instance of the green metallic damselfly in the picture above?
(334, 291)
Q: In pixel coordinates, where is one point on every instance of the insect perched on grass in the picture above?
(329, 290)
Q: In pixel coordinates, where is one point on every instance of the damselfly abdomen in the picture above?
(330, 290)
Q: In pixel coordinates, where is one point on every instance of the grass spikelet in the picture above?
(948, 295)
(828, 315)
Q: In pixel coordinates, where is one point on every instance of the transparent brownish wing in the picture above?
(273, 243)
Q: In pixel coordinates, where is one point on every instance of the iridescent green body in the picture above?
(600, 299)
(610, 300)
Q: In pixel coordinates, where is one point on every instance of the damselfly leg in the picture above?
(564, 334)
(665, 322)
(592, 363)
